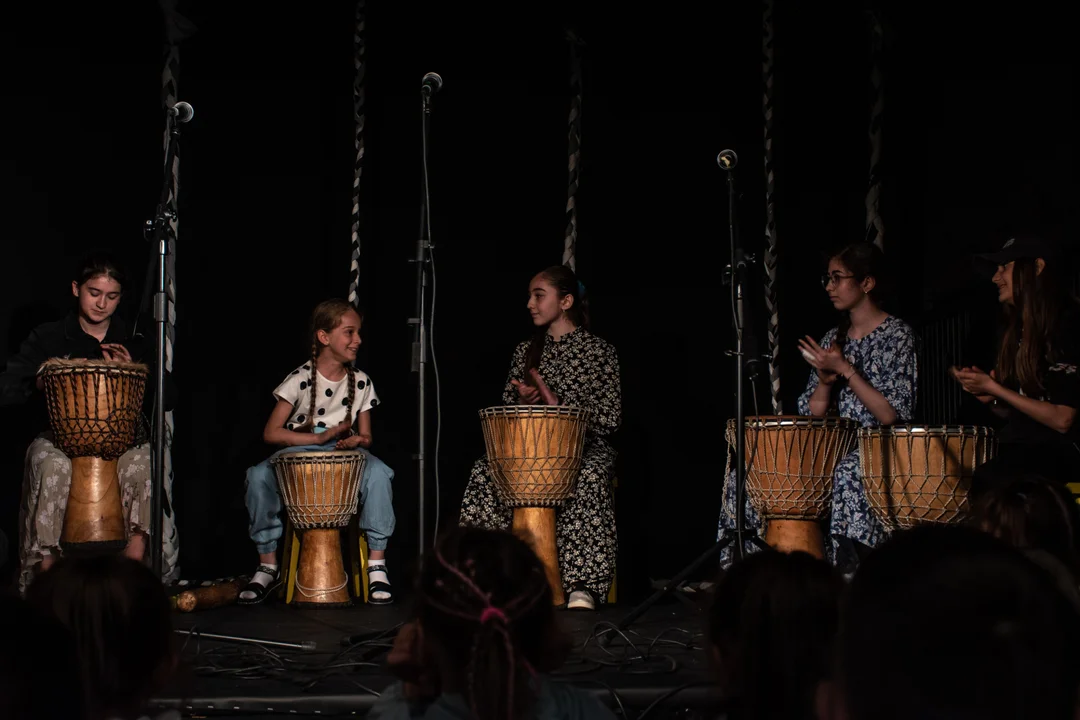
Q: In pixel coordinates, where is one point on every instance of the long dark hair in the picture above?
(34, 641)
(863, 260)
(773, 623)
(948, 601)
(119, 615)
(1033, 325)
(485, 610)
(99, 263)
(1032, 513)
(565, 283)
(327, 316)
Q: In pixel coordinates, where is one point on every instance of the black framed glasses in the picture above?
(833, 278)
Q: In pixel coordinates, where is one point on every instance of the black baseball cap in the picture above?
(1015, 248)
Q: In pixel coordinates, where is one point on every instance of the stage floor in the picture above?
(661, 654)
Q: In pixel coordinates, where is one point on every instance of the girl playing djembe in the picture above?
(91, 331)
(565, 364)
(322, 405)
(865, 368)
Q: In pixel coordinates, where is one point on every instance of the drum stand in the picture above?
(733, 276)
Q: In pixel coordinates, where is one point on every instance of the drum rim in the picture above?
(311, 454)
(570, 411)
(66, 365)
(913, 430)
(794, 421)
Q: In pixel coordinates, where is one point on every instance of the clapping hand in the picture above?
(829, 363)
(535, 393)
(980, 384)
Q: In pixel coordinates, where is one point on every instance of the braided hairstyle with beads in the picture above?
(327, 316)
(486, 612)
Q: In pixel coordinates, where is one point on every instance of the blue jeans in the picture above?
(263, 499)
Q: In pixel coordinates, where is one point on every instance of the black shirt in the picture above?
(66, 339)
(1061, 386)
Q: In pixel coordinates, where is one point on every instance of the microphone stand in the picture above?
(422, 258)
(735, 271)
(160, 226)
(733, 276)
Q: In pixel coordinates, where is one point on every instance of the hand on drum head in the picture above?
(353, 441)
(115, 352)
(342, 428)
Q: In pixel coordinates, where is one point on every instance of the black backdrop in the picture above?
(978, 141)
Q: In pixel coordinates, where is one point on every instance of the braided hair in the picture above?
(485, 604)
(327, 316)
(863, 260)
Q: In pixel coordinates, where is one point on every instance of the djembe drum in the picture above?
(320, 490)
(94, 408)
(916, 474)
(535, 453)
(789, 479)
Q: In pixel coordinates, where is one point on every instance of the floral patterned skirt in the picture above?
(584, 525)
(851, 516)
(46, 480)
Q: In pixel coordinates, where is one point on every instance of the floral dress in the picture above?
(886, 359)
(583, 371)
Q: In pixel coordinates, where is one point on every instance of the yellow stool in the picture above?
(1074, 488)
(358, 557)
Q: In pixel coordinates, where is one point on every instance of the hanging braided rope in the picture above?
(358, 115)
(176, 28)
(770, 208)
(875, 226)
(574, 131)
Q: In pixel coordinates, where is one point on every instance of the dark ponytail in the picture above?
(565, 283)
(863, 260)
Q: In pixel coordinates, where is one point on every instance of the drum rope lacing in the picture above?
(317, 592)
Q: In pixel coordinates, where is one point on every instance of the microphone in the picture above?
(182, 111)
(432, 84)
(727, 159)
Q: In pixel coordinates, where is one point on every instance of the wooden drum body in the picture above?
(94, 408)
(320, 491)
(789, 480)
(535, 453)
(916, 474)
